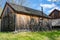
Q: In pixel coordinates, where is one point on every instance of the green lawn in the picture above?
(54, 35)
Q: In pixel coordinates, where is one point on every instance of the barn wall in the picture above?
(52, 15)
(59, 14)
(45, 19)
(55, 22)
(5, 19)
(23, 20)
(55, 14)
(4, 12)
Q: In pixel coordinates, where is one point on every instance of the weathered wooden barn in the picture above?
(16, 17)
(55, 18)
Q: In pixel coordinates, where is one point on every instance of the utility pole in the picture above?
(42, 12)
(42, 17)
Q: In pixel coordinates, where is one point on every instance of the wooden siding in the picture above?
(52, 15)
(55, 22)
(6, 10)
(24, 20)
(55, 14)
(7, 19)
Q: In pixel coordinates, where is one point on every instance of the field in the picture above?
(49, 35)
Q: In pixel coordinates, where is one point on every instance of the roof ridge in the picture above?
(57, 9)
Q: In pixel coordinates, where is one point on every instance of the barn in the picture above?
(17, 17)
(55, 18)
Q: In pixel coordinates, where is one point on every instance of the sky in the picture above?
(48, 5)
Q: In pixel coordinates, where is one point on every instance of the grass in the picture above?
(54, 35)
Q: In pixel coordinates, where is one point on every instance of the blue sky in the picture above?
(48, 5)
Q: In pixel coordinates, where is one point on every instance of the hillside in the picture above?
(54, 35)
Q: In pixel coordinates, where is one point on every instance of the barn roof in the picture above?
(20, 8)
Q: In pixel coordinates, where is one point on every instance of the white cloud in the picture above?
(49, 11)
(48, 0)
(54, 8)
(53, 0)
(48, 5)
